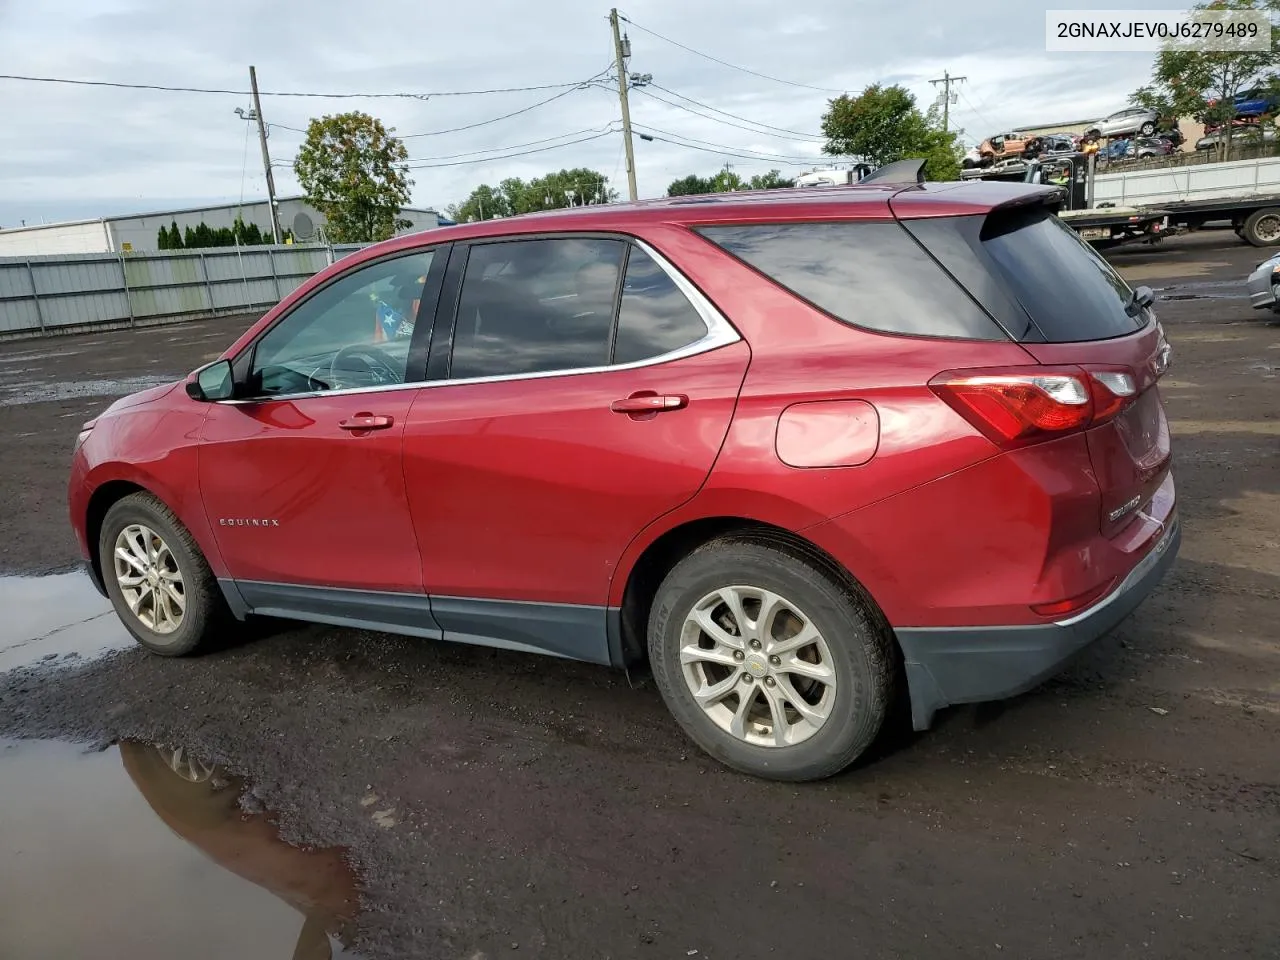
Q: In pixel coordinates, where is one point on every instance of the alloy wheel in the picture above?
(149, 579)
(757, 666)
(185, 765)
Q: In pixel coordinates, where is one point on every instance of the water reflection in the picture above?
(92, 871)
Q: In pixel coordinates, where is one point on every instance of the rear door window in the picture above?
(1070, 293)
(869, 274)
(536, 306)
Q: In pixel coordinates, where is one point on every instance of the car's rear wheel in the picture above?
(1148, 129)
(769, 662)
(157, 579)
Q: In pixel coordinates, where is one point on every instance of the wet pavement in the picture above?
(412, 798)
(59, 618)
(143, 852)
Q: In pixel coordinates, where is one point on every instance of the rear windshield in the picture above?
(1064, 285)
(869, 274)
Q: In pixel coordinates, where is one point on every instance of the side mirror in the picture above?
(214, 382)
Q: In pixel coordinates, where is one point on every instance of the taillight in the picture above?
(1018, 406)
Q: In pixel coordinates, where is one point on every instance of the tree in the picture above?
(770, 181)
(689, 186)
(726, 181)
(485, 203)
(563, 188)
(1203, 83)
(175, 236)
(162, 238)
(883, 124)
(551, 191)
(353, 171)
(189, 238)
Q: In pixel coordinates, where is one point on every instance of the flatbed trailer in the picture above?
(1245, 193)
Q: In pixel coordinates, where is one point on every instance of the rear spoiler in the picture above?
(907, 173)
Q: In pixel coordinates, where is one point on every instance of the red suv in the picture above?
(798, 450)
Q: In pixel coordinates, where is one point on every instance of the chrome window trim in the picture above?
(720, 333)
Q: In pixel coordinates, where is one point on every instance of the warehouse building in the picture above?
(139, 233)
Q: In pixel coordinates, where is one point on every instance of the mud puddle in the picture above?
(144, 851)
(1204, 290)
(58, 619)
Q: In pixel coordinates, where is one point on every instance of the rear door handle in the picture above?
(649, 403)
(366, 421)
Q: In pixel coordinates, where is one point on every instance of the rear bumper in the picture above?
(950, 665)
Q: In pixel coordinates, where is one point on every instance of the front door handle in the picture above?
(650, 403)
(366, 421)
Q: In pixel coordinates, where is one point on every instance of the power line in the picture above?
(516, 146)
(743, 153)
(461, 163)
(712, 143)
(976, 111)
(726, 63)
(412, 161)
(706, 106)
(294, 93)
(507, 116)
(727, 123)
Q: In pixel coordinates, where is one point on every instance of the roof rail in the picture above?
(909, 171)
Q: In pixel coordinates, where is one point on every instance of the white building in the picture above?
(139, 233)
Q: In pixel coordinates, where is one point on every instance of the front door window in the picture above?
(353, 333)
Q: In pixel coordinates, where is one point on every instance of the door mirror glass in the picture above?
(214, 382)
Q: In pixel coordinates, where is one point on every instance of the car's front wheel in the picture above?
(768, 661)
(157, 578)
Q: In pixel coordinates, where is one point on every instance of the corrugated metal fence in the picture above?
(57, 294)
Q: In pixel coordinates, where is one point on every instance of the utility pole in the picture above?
(947, 80)
(276, 235)
(622, 50)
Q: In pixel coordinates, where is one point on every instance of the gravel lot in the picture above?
(494, 804)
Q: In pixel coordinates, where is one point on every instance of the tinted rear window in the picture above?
(1068, 290)
(870, 274)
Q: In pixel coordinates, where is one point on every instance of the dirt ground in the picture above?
(496, 804)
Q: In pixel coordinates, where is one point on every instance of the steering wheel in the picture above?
(370, 365)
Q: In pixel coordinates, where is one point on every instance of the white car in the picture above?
(1127, 122)
(1263, 284)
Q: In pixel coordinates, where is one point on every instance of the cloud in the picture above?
(85, 152)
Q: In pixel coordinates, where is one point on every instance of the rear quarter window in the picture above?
(868, 274)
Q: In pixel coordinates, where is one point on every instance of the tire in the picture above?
(1262, 227)
(1147, 129)
(853, 648)
(1095, 133)
(180, 609)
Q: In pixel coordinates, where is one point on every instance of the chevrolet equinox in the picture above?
(797, 450)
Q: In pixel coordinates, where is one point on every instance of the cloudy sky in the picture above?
(72, 152)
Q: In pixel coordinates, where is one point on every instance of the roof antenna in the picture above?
(903, 172)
